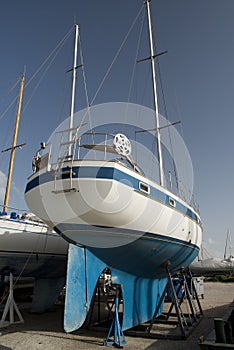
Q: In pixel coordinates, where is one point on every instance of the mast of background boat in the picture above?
(228, 244)
(13, 148)
(152, 56)
(73, 87)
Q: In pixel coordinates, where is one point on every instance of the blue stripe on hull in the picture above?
(144, 256)
(115, 174)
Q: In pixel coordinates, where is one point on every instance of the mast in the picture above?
(13, 148)
(73, 88)
(152, 56)
(228, 245)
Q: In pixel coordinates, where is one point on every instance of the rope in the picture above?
(31, 253)
(5, 295)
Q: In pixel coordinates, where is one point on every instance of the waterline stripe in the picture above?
(62, 228)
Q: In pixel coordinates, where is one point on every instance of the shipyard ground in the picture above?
(45, 331)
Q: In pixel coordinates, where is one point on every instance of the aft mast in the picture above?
(14, 146)
(152, 57)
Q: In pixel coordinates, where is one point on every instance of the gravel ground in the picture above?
(46, 332)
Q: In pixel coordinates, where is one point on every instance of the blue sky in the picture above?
(197, 74)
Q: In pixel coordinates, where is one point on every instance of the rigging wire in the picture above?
(54, 52)
(166, 115)
(134, 67)
(51, 56)
(86, 94)
(85, 83)
(179, 184)
(9, 133)
(6, 140)
(135, 60)
(60, 115)
(9, 91)
(115, 57)
(7, 109)
(106, 74)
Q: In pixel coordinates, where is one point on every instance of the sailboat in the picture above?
(112, 215)
(216, 266)
(28, 247)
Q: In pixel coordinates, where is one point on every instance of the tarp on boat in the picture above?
(213, 266)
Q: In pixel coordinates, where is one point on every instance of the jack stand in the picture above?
(119, 338)
(10, 307)
(186, 321)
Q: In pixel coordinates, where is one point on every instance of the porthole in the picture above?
(144, 187)
(172, 202)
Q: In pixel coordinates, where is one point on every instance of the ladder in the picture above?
(66, 153)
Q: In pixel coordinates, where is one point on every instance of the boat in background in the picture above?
(113, 215)
(216, 266)
(28, 247)
(212, 266)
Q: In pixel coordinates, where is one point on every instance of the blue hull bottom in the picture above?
(142, 257)
(145, 257)
(140, 295)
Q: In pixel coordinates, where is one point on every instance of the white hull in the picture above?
(30, 237)
(80, 207)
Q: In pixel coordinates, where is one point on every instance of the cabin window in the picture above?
(172, 202)
(144, 187)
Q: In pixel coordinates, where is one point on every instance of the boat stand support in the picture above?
(186, 317)
(188, 310)
(115, 328)
(100, 296)
(10, 307)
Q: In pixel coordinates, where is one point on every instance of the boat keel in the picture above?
(45, 293)
(140, 295)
